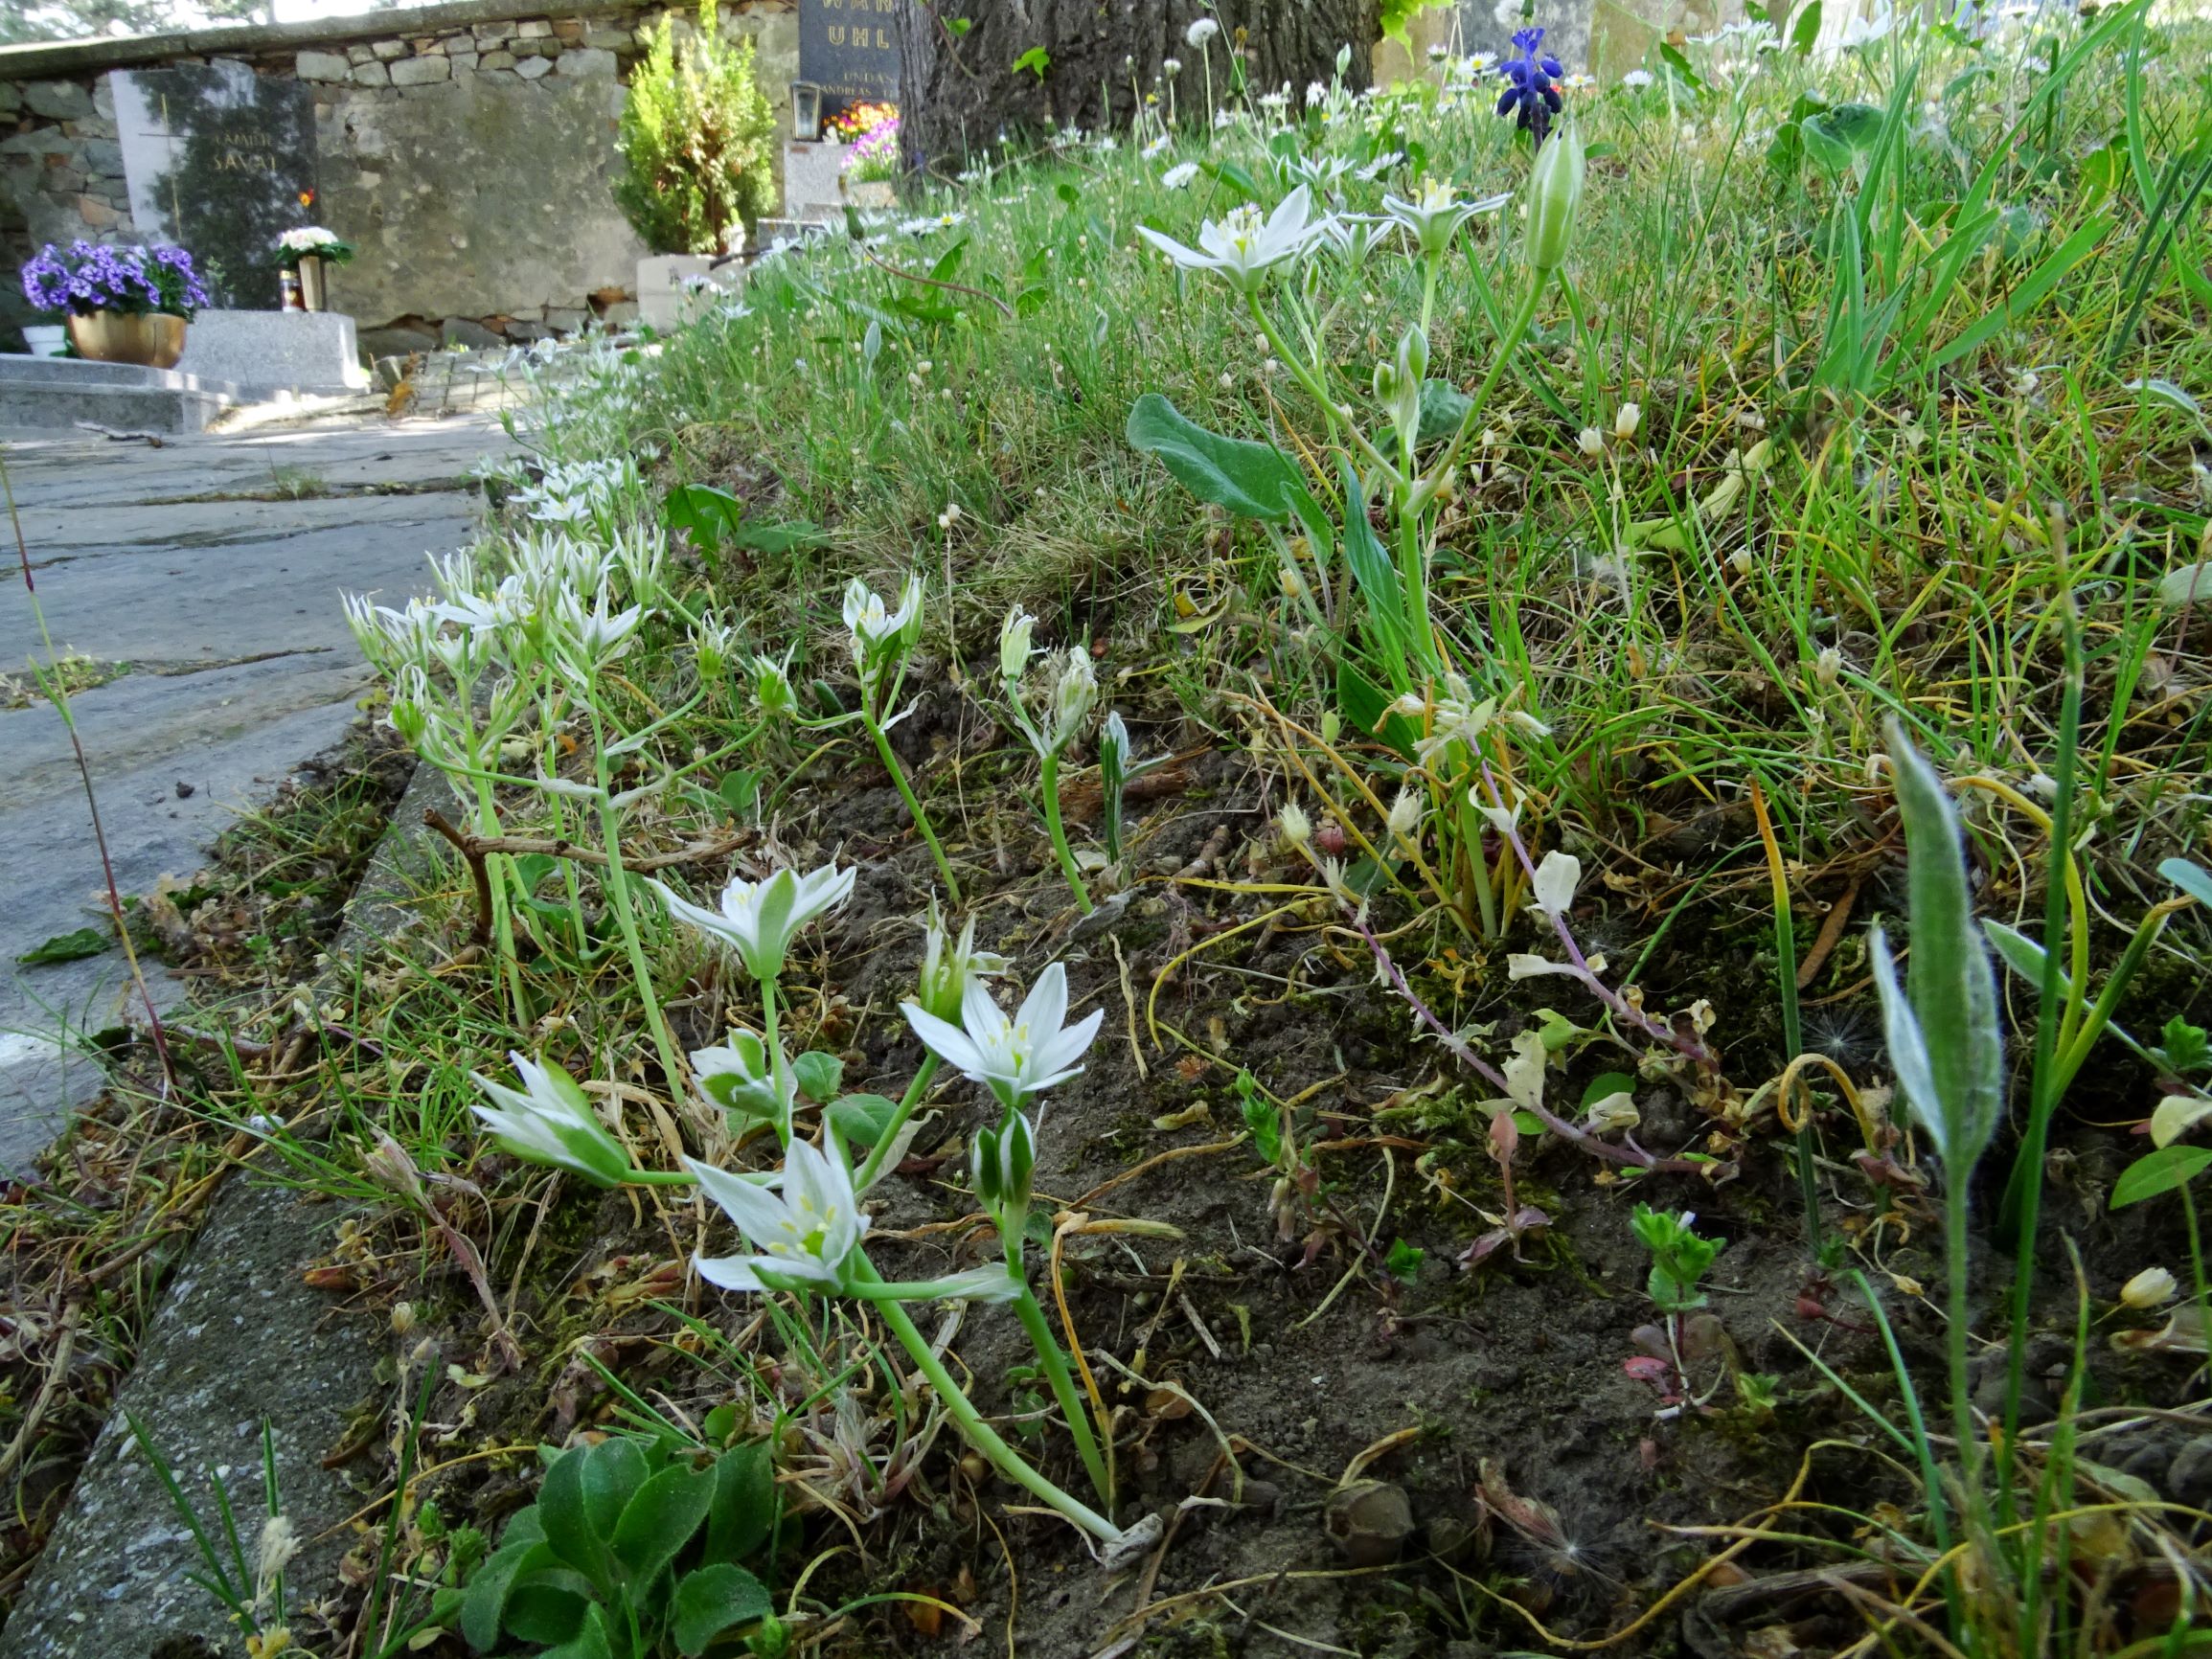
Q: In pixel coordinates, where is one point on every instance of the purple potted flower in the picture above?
(123, 305)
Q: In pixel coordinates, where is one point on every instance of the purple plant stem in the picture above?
(1690, 1048)
(1631, 1154)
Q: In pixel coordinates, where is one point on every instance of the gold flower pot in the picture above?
(152, 338)
(315, 276)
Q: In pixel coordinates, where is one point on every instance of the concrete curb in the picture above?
(240, 1337)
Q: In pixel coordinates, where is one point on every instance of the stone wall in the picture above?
(466, 150)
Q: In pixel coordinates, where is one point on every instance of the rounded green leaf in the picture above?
(713, 1599)
(660, 1520)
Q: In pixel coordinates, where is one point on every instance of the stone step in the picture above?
(20, 371)
(61, 403)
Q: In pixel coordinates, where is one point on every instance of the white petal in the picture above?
(730, 1272)
(1555, 879)
(713, 923)
(759, 1215)
(1066, 1047)
(1045, 1006)
(945, 1040)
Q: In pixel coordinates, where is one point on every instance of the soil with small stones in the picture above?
(1557, 1448)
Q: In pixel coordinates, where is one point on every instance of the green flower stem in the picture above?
(1067, 864)
(1319, 393)
(913, 806)
(1961, 1395)
(660, 1178)
(618, 889)
(1049, 1355)
(775, 1042)
(1517, 330)
(872, 1169)
(495, 871)
(962, 1411)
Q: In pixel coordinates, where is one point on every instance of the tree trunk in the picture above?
(961, 95)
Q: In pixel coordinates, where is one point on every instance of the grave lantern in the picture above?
(805, 111)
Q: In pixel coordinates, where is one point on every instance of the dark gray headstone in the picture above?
(220, 161)
(849, 49)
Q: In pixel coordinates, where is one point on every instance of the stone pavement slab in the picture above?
(242, 668)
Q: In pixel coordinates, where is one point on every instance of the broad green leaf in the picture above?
(531, 868)
(1443, 408)
(661, 1519)
(1844, 136)
(1670, 56)
(1604, 1086)
(777, 537)
(863, 1119)
(1251, 479)
(744, 1510)
(949, 262)
(1366, 709)
(565, 1514)
(817, 1075)
(65, 948)
(613, 1470)
(549, 1606)
(483, 1607)
(708, 516)
(1376, 578)
(713, 1599)
(2161, 1171)
(740, 789)
(591, 1642)
(1806, 29)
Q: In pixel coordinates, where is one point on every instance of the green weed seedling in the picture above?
(1680, 1258)
(634, 1548)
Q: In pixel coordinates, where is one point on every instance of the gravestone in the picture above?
(220, 161)
(849, 49)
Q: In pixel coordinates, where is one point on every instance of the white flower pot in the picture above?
(45, 339)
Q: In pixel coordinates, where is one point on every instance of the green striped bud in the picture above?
(1555, 199)
(1001, 1162)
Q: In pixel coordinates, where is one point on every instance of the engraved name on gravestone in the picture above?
(220, 161)
(849, 49)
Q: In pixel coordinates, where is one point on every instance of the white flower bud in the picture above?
(1406, 813)
(1014, 648)
(1627, 421)
(2150, 1288)
(1591, 440)
(1297, 828)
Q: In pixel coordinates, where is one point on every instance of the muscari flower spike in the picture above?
(1532, 94)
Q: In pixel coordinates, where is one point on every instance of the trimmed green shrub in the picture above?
(699, 140)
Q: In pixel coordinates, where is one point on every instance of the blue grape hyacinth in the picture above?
(1532, 92)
